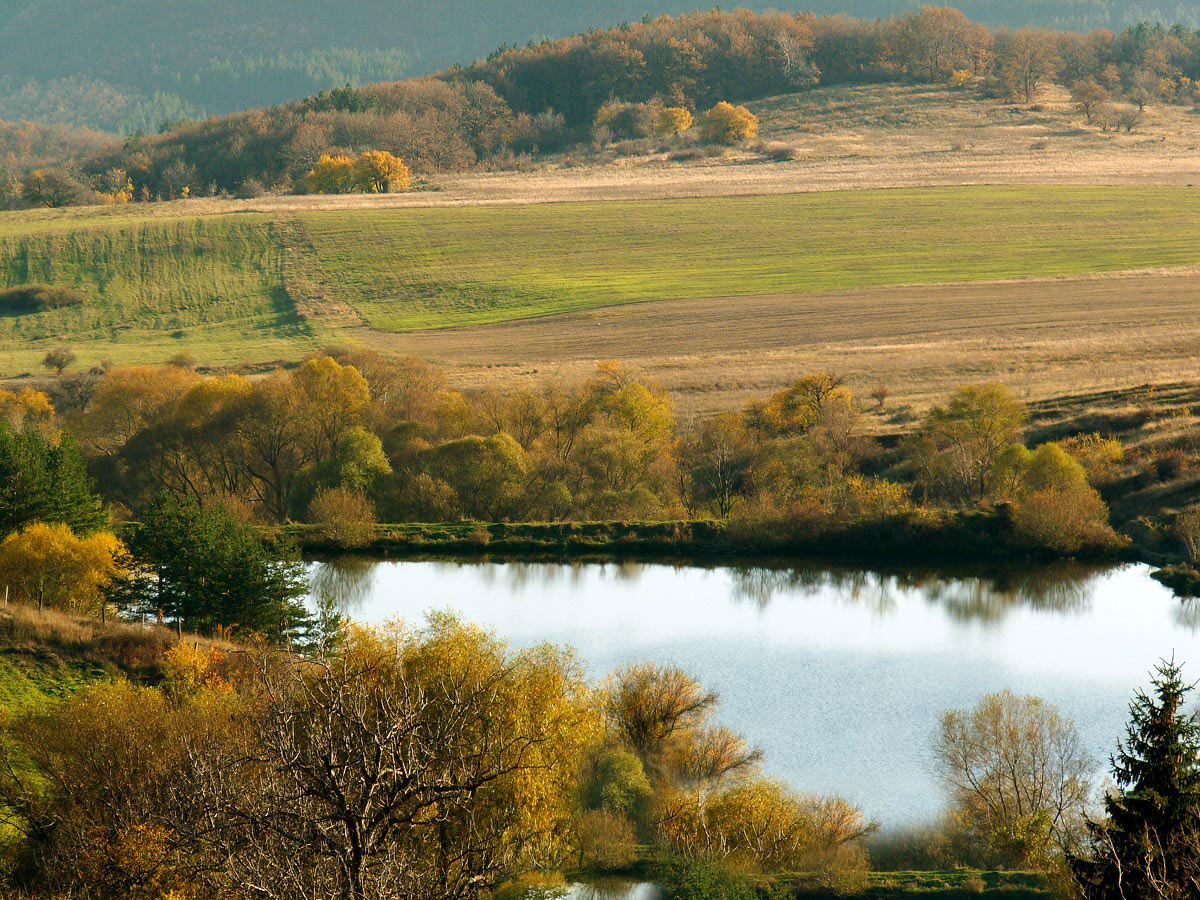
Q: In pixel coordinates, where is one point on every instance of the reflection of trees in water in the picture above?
(517, 576)
(1060, 588)
(346, 582)
(967, 595)
(761, 585)
(983, 597)
(1187, 614)
(614, 889)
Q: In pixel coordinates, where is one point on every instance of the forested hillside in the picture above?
(615, 87)
(129, 65)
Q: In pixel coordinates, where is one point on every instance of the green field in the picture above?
(227, 287)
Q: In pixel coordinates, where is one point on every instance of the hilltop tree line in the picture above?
(542, 98)
(67, 62)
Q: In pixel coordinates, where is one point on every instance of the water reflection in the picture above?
(344, 582)
(840, 674)
(349, 582)
(613, 889)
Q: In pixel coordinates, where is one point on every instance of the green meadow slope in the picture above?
(255, 287)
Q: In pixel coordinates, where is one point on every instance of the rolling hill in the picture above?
(127, 65)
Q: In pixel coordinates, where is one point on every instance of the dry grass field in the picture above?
(1042, 337)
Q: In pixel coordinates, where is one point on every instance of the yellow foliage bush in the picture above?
(49, 565)
(380, 172)
(674, 120)
(189, 668)
(1099, 456)
(960, 78)
(331, 175)
(728, 124)
(1065, 521)
(373, 172)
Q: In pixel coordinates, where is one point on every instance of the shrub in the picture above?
(333, 174)
(1065, 521)
(346, 517)
(606, 841)
(697, 879)
(1098, 455)
(626, 121)
(778, 151)
(959, 78)
(1170, 464)
(728, 124)
(674, 120)
(34, 298)
(380, 172)
(1187, 529)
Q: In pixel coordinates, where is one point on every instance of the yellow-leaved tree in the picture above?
(49, 565)
(674, 120)
(333, 174)
(27, 409)
(380, 172)
(728, 124)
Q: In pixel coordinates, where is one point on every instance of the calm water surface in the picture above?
(839, 675)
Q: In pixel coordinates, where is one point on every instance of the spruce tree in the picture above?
(203, 569)
(1149, 844)
(44, 480)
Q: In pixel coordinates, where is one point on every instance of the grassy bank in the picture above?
(957, 884)
(255, 287)
(49, 655)
(937, 536)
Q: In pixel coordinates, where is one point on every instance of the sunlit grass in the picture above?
(162, 279)
(430, 268)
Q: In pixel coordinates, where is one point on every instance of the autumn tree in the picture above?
(128, 400)
(1024, 59)
(933, 40)
(332, 174)
(1187, 530)
(798, 407)
(718, 457)
(49, 565)
(487, 474)
(105, 781)
(728, 124)
(1018, 774)
(27, 409)
(1088, 96)
(959, 443)
(50, 188)
(379, 172)
(427, 764)
(761, 825)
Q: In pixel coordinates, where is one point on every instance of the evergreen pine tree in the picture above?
(43, 480)
(1149, 844)
(203, 569)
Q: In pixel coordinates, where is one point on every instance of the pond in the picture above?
(840, 675)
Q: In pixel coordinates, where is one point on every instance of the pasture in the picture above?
(720, 298)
